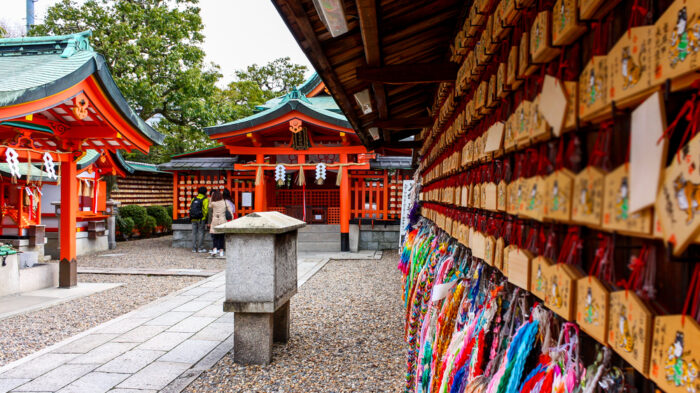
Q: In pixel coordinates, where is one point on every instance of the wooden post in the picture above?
(68, 267)
(176, 203)
(344, 205)
(260, 188)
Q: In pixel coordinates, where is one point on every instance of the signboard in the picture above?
(247, 199)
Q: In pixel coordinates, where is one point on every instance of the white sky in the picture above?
(237, 32)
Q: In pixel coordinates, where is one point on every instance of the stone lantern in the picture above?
(261, 278)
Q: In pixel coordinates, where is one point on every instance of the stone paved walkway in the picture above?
(162, 346)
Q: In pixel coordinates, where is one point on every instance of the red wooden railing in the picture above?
(376, 195)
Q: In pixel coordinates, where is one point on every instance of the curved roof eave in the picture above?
(96, 65)
(278, 111)
(310, 84)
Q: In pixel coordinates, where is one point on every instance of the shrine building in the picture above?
(62, 122)
(298, 155)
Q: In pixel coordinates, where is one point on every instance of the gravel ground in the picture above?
(24, 334)
(346, 336)
(151, 253)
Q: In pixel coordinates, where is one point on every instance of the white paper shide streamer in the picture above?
(320, 173)
(50, 166)
(280, 174)
(11, 159)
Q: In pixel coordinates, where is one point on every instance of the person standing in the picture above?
(199, 209)
(217, 216)
(229, 203)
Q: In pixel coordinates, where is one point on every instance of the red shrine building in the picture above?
(298, 155)
(62, 123)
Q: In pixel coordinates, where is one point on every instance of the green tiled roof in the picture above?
(310, 84)
(292, 101)
(32, 68)
(144, 167)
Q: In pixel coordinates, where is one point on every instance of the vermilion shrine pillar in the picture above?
(68, 267)
(344, 205)
(260, 188)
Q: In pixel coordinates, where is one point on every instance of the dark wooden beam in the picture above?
(397, 136)
(404, 123)
(400, 145)
(409, 73)
(367, 13)
(306, 36)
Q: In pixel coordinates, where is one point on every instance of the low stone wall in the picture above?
(381, 237)
(83, 244)
(182, 237)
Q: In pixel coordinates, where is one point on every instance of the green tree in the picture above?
(274, 78)
(153, 48)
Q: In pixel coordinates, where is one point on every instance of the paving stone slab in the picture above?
(214, 310)
(95, 382)
(192, 324)
(214, 332)
(123, 325)
(165, 341)
(196, 291)
(87, 343)
(104, 353)
(56, 378)
(131, 362)
(170, 318)
(39, 366)
(155, 376)
(8, 384)
(132, 391)
(190, 351)
(140, 334)
(194, 305)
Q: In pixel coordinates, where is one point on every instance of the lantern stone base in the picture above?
(254, 334)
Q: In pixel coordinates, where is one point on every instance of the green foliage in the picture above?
(136, 213)
(149, 226)
(125, 225)
(169, 209)
(159, 213)
(274, 78)
(153, 48)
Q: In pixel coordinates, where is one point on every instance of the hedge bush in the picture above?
(169, 209)
(159, 213)
(125, 225)
(136, 213)
(149, 226)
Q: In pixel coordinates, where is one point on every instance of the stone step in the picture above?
(320, 229)
(318, 237)
(318, 247)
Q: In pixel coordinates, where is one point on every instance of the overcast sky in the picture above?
(238, 32)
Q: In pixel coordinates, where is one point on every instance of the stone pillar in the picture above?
(261, 278)
(112, 211)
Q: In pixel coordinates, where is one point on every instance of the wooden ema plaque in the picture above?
(677, 44)
(678, 201)
(593, 89)
(558, 195)
(498, 253)
(565, 24)
(541, 50)
(587, 203)
(532, 203)
(513, 196)
(630, 329)
(522, 123)
(540, 272)
(510, 11)
(490, 198)
(592, 307)
(675, 354)
(539, 128)
(616, 213)
(476, 196)
(519, 267)
(501, 192)
(483, 195)
(522, 196)
(560, 296)
(512, 76)
(492, 101)
(501, 88)
(552, 104)
(595, 9)
(571, 91)
(630, 66)
(509, 133)
(476, 243)
(525, 65)
(489, 250)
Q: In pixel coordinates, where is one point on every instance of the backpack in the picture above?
(197, 209)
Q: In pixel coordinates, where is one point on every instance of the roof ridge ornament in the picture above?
(76, 43)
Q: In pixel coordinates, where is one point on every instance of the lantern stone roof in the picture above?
(261, 222)
(34, 68)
